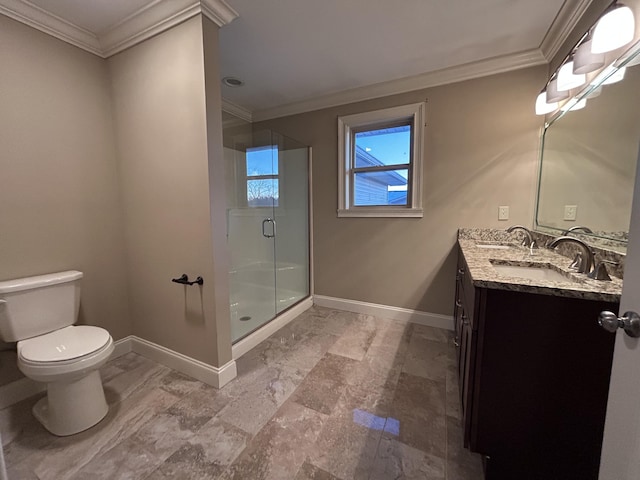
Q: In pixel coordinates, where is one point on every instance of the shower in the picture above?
(267, 177)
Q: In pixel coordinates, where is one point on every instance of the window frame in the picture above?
(244, 201)
(348, 126)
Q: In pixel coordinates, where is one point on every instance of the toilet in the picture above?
(39, 313)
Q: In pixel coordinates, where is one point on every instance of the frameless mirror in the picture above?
(588, 160)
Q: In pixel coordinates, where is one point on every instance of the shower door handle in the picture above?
(273, 222)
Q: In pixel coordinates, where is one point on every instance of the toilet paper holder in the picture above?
(184, 280)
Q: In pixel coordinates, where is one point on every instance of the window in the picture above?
(380, 163)
(263, 189)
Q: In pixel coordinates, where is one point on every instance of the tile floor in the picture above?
(333, 395)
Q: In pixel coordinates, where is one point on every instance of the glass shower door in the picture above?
(252, 231)
(267, 224)
(292, 218)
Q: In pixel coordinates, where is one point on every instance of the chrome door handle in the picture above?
(273, 222)
(630, 322)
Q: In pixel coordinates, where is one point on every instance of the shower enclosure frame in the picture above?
(260, 333)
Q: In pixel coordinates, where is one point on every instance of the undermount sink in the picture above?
(532, 272)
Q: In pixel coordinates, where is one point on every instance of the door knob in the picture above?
(630, 322)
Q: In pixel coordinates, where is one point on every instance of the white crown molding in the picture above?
(566, 20)
(152, 19)
(219, 12)
(237, 110)
(481, 68)
(40, 19)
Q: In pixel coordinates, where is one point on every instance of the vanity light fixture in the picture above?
(567, 79)
(542, 107)
(585, 61)
(554, 94)
(616, 76)
(595, 92)
(615, 29)
(574, 105)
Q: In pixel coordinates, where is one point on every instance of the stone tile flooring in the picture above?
(333, 395)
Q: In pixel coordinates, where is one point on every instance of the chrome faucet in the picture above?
(587, 258)
(576, 228)
(528, 241)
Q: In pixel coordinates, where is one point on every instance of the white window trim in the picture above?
(414, 112)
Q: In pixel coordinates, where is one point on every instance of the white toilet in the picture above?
(39, 313)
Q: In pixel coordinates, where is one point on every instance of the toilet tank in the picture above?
(33, 306)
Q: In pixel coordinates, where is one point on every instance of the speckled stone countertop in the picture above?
(481, 263)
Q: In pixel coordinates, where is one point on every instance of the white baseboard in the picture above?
(24, 388)
(122, 347)
(386, 311)
(215, 376)
(19, 390)
(246, 344)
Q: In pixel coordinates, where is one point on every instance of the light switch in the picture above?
(570, 212)
(503, 213)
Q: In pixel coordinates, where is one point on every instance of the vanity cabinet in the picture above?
(534, 378)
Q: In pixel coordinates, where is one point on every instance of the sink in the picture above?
(541, 272)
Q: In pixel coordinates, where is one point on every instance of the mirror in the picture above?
(588, 161)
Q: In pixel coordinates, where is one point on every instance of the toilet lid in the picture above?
(64, 344)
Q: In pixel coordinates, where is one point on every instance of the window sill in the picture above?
(381, 213)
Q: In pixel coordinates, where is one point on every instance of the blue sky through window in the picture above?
(262, 161)
(390, 146)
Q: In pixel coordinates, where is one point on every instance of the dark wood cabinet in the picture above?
(534, 378)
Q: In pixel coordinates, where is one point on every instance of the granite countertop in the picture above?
(481, 261)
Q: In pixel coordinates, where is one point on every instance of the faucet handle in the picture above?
(600, 271)
(577, 262)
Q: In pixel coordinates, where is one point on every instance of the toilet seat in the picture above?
(85, 348)
(68, 344)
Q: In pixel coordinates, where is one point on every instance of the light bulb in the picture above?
(585, 61)
(614, 30)
(542, 107)
(553, 94)
(567, 80)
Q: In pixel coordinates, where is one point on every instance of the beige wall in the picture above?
(217, 192)
(161, 131)
(481, 150)
(59, 198)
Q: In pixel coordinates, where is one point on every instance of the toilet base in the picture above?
(72, 407)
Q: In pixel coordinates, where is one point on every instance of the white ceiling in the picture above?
(95, 16)
(292, 50)
(299, 55)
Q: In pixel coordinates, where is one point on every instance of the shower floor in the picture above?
(255, 313)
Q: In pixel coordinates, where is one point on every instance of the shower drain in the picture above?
(245, 318)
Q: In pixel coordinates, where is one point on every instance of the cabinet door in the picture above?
(458, 313)
(465, 367)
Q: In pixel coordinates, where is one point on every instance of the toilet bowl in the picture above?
(39, 313)
(68, 360)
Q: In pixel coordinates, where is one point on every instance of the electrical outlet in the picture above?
(570, 212)
(503, 213)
